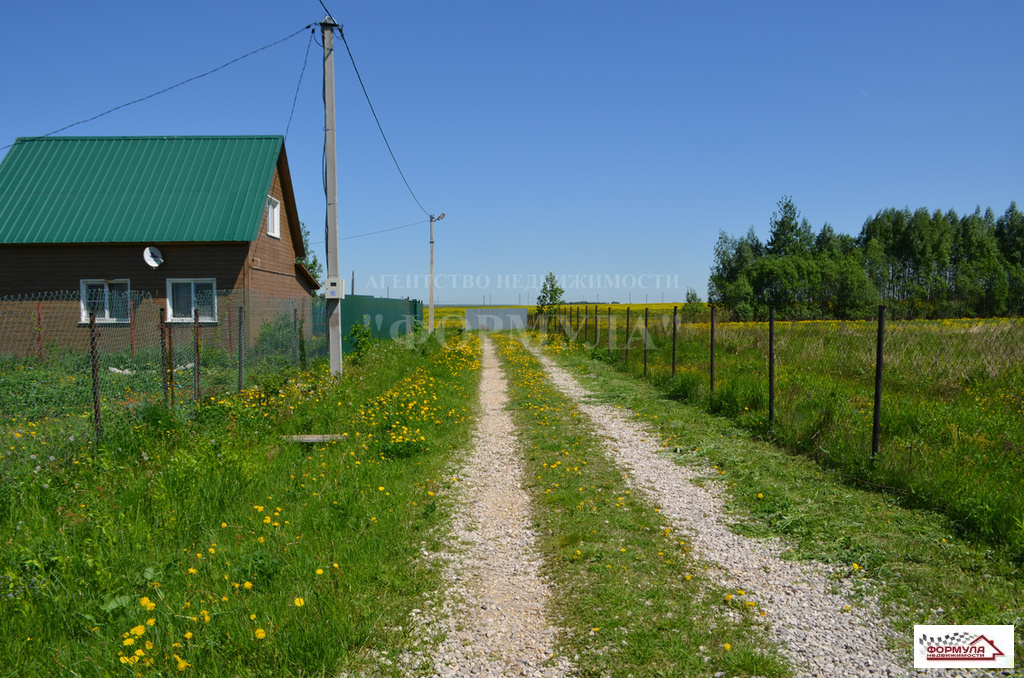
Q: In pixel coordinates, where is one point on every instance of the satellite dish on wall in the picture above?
(152, 256)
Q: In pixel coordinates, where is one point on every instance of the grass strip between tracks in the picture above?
(627, 591)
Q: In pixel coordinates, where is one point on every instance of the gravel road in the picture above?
(493, 619)
(821, 631)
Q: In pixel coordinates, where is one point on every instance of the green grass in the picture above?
(952, 418)
(633, 599)
(216, 548)
(916, 561)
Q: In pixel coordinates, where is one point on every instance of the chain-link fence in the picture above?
(66, 358)
(935, 414)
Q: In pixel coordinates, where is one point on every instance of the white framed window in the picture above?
(273, 218)
(107, 299)
(187, 295)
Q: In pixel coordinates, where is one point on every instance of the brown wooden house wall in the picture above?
(264, 267)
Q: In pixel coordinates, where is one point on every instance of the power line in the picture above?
(167, 89)
(301, 73)
(328, 12)
(386, 230)
(379, 127)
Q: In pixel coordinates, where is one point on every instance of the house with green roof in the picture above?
(181, 220)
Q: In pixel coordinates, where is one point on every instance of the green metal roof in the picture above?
(135, 189)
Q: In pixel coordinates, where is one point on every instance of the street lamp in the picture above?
(430, 324)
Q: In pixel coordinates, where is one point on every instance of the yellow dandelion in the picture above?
(260, 634)
(299, 602)
(247, 585)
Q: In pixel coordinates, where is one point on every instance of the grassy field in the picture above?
(205, 544)
(917, 562)
(952, 417)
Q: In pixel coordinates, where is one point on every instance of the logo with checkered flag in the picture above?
(959, 646)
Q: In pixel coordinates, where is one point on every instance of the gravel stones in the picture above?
(492, 619)
(820, 630)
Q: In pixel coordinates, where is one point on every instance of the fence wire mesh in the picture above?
(951, 420)
(46, 368)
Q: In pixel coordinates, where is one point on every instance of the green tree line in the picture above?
(921, 264)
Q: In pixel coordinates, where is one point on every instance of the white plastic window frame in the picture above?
(106, 316)
(273, 218)
(176, 315)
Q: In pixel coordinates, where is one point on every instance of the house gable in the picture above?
(272, 258)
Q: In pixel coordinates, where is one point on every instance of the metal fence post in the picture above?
(170, 362)
(597, 322)
(231, 345)
(295, 333)
(675, 331)
(586, 325)
(241, 346)
(195, 370)
(645, 339)
(163, 352)
(39, 329)
(771, 366)
(876, 427)
(609, 329)
(712, 352)
(131, 328)
(628, 333)
(94, 351)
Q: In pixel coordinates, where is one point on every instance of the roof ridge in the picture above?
(152, 136)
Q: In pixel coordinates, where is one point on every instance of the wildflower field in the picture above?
(952, 415)
(202, 542)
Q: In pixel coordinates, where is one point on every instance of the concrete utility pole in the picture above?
(430, 324)
(335, 291)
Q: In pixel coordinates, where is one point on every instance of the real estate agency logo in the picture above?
(959, 646)
(963, 646)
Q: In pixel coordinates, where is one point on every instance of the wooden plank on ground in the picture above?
(318, 438)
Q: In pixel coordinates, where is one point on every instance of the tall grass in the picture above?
(207, 544)
(952, 417)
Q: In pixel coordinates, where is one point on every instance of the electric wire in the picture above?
(167, 89)
(379, 127)
(301, 73)
(328, 12)
(385, 230)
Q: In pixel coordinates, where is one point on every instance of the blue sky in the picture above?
(608, 141)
